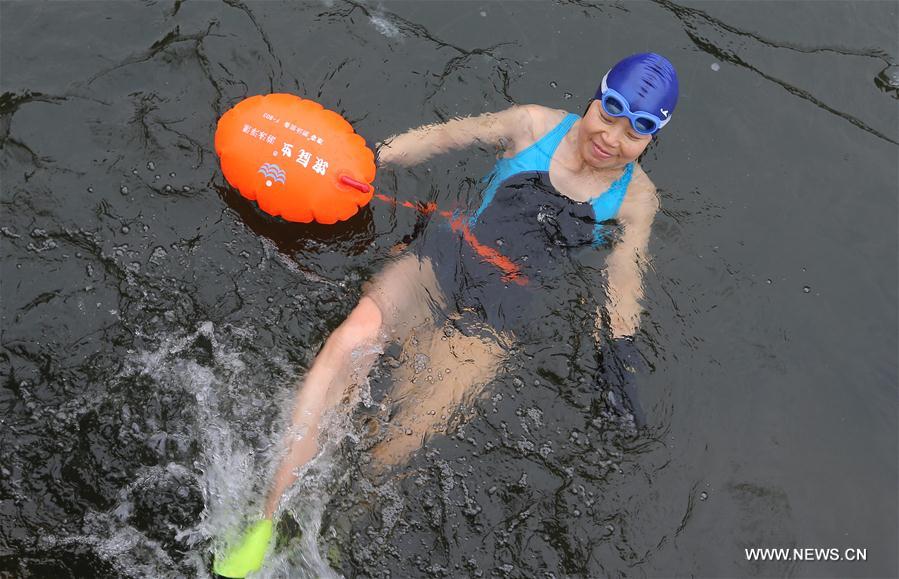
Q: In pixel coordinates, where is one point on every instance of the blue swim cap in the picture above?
(649, 83)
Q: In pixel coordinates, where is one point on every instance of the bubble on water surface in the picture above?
(385, 27)
(159, 253)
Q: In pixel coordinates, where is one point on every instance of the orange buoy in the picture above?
(295, 158)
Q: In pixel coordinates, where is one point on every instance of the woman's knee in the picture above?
(361, 327)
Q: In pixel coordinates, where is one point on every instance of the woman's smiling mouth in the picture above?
(600, 152)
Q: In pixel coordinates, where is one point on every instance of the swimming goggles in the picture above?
(616, 105)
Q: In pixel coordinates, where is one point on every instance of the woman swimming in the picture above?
(560, 185)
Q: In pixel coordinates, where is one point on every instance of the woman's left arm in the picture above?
(629, 259)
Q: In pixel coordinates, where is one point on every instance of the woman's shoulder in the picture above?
(542, 120)
(640, 179)
(545, 119)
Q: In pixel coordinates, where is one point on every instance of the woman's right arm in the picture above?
(505, 130)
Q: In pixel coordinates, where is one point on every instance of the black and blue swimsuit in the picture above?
(544, 234)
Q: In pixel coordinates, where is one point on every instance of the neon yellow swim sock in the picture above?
(247, 555)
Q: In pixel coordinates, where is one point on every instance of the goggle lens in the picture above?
(644, 125)
(612, 105)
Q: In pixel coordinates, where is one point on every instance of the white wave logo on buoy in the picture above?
(273, 173)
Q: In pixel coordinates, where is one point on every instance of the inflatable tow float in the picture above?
(295, 159)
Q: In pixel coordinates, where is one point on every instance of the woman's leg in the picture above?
(343, 362)
(347, 354)
(441, 374)
(396, 302)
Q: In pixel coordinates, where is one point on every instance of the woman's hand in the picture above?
(386, 154)
(622, 367)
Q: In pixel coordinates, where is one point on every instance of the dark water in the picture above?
(153, 322)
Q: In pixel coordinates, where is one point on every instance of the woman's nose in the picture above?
(611, 135)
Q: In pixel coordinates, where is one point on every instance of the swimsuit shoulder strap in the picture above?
(535, 157)
(606, 206)
(541, 152)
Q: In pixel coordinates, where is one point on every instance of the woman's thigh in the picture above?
(408, 295)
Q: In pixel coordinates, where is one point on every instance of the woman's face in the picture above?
(607, 142)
